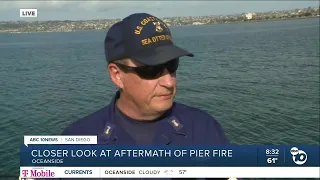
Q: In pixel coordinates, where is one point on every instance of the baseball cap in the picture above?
(144, 38)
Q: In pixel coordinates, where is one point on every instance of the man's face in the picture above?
(151, 96)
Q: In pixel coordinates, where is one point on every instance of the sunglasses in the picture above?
(151, 72)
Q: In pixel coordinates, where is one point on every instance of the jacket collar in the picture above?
(167, 128)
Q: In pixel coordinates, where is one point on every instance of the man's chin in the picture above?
(163, 105)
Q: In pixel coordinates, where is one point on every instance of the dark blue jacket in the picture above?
(191, 127)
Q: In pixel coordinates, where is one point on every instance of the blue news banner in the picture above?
(227, 156)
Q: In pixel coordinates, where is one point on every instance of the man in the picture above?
(142, 62)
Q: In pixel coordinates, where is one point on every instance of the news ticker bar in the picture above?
(169, 172)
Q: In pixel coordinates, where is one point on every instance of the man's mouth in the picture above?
(165, 96)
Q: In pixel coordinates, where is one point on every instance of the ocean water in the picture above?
(259, 80)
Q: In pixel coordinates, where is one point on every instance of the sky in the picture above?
(86, 10)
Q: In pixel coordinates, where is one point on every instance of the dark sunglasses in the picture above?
(151, 72)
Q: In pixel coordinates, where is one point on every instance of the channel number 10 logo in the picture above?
(298, 156)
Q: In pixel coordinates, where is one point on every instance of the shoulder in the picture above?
(89, 125)
(194, 115)
(201, 124)
(192, 111)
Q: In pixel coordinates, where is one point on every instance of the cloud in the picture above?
(68, 5)
(94, 5)
(58, 9)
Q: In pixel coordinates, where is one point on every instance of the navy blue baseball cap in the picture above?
(144, 38)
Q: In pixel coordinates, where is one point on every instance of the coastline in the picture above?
(234, 22)
(268, 20)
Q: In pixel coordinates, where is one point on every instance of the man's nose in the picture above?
(168, 80)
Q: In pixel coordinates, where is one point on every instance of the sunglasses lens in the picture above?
(172, 66)
(152, 72)
(149, 72)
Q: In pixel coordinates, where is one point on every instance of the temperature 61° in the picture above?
(272, 160)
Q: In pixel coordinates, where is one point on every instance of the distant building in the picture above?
(250, 16)
(197, 23)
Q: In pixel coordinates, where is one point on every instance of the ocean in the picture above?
(260, 80)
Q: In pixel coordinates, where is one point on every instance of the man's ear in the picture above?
(115, 75)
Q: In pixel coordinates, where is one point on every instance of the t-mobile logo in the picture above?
(25, 173)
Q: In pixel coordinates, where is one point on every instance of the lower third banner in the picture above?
(167, 156)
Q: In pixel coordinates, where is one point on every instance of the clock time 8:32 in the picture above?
(272, 151)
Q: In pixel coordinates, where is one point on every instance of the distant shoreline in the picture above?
(236, 22)
(266, 20)
(254, 21)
